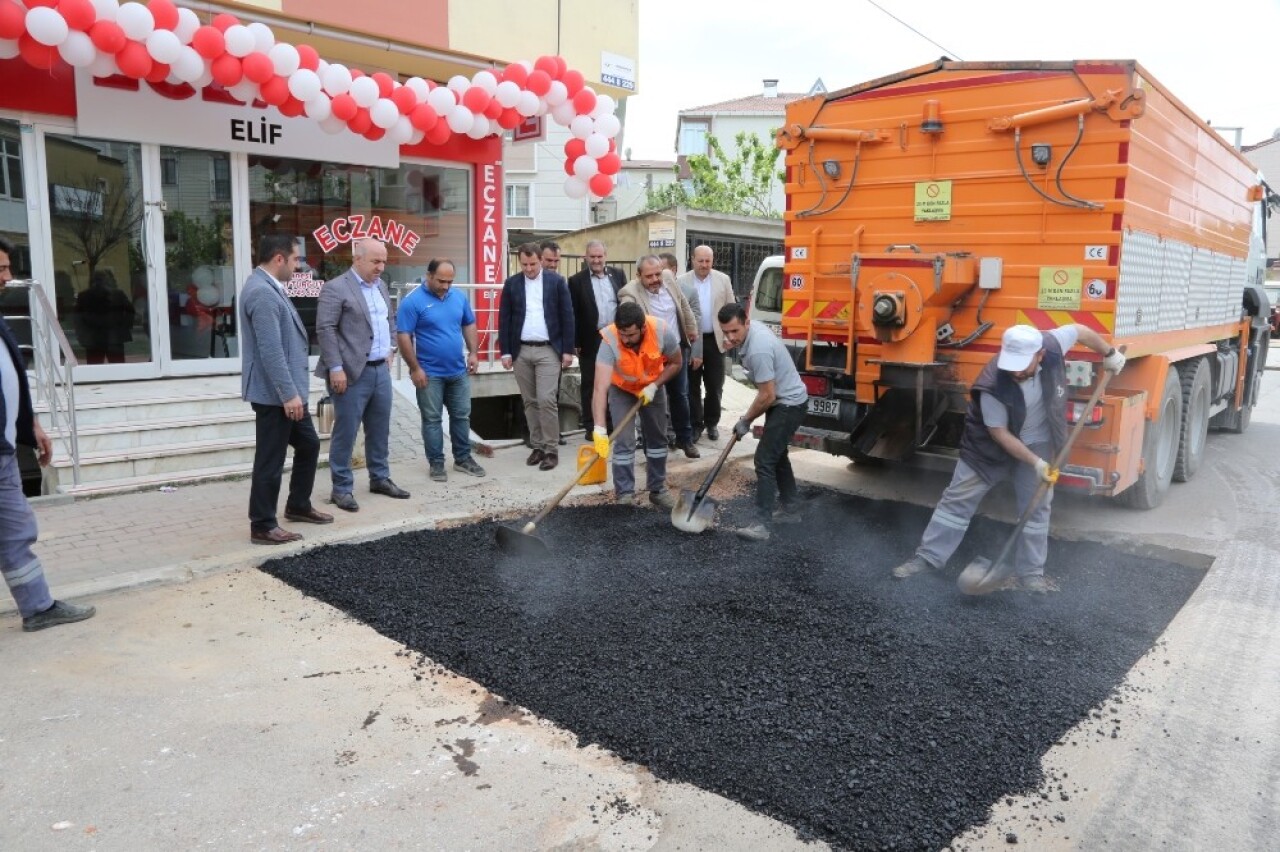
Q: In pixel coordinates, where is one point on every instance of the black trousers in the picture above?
(275, 434)
(706, 384)
(587, 372)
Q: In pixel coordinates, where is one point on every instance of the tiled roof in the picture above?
(1247, 148)
(754, 103)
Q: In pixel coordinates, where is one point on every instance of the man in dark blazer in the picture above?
(535, 338)
(357, 343)
(594, 292)
(274, 381)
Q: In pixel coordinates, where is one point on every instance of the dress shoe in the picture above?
(274, 536)
(549, 462)
(388, 488)
(534, 457)
(346, 501)
(713, 433)
(307, 516)
(690, 451)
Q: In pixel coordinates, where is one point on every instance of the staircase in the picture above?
(147, 434)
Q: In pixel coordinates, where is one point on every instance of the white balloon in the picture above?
(604, 106)
(419, 87)
(304, 84)
(582, 126)
(527, 65)
(136, 20)
(402, 132)
(245, 91)
(459, 84)
(46, 26)
(284, 58)
(321, 67)
(527, 105)
(164, 46)
(103, 65)
(263, 38)
(332, 124)
(597, 145)
(486, 81)
(557, 94)
(188, 23)
(78, 50)
(460, 119)
(337, 79)
(172, 78)
(507, 94)
(204, 79)
(107, 9)
(238, 39)
(442, 100)
(543, 109)
(608, 125)
(189, 65)
(365, 91)
(9, 49)
(564, 114)
(384, 113)
(318, 108)
(586, 167)
(480, 129)
(575, 187)
(417, 136)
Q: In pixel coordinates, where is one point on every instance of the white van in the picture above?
(766, 294)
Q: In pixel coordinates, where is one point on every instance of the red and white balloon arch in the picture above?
(160, 41)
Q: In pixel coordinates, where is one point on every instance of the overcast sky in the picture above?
(1217, 56)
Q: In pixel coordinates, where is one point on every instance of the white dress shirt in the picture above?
(535, 322)
(606, 300)
(662, 306)
(381, 346)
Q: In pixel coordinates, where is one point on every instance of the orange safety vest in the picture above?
(637, 368)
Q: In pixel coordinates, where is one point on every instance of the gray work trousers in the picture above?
(960, 502)
(20, 566)
(537, 370)
(653, 422)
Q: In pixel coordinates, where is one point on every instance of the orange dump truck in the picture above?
(930, 210)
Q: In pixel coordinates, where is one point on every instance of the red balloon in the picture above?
(258, 67)
(308, 57)
(568, 167)
(223, 22)
(374, 133)
(356, 73)
(601, 185)
(164, 12)
(510, 118)
(610, 164)
(107, 36)
(573, 81)
(516, 73)
(440, 134)
(476, 99)
(226, 70)
(37, 55)
(361, 122)
(344, 107)
(79, 14)
(385, 83)
(13, 21)
(159, 71)
(134, 61)
(539, 83)
(584, 102)
(208, 42)
(575, 148)
(31, 4)
(493, 110)
(275, 90)
(424, 117)
(292, 107)
(547, 65)
(404, 99)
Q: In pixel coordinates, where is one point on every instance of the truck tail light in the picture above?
(816, 385)
(1075, 410)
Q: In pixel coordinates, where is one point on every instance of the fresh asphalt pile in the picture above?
(795, 677)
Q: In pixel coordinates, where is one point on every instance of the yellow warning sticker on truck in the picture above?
(1060, 288)
(933, 201)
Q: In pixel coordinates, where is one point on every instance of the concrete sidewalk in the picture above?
(96, 545)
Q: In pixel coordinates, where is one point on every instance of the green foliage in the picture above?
(190, 242)
(742, 184)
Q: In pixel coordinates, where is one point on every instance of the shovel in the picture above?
(523, 542)
(694, 512)
(982, 576)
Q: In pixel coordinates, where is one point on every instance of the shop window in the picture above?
(11, 164)
(519, 200)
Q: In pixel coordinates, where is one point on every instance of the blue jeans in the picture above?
(454, 393)
(367, 400)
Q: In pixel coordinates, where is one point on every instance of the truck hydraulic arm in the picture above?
(1111, 98)
(791, 137)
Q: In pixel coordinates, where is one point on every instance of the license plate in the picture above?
(824, 407)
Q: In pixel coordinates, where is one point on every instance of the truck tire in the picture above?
(1196, 379)
(1159, 449)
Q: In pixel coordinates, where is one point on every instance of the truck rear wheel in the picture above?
(1159, 449)
(1196, 379)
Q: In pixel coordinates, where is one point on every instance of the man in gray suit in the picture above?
(357, 337)
(274, 381)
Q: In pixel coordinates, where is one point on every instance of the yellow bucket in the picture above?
(597, 473)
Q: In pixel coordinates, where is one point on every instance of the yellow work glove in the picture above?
(1046, 471)
(649, 392)
(600, 439)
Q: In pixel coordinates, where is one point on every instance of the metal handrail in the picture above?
(54, 377)
(484, 300)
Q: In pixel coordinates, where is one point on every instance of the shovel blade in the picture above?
(691, 515)
(522, 544)
(971, 578)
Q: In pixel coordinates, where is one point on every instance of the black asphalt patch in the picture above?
(795, 677)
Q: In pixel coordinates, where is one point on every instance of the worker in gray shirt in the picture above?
(782, 399)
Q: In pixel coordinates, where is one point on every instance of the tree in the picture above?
(742, 184)
(95, 217)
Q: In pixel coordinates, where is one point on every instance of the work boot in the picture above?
(662, 499)
(438, 473)
(911, 567)
(690, 451)
(59, 613)
(755, 532)
(1034, 583)
(786, 515)
(626, 499)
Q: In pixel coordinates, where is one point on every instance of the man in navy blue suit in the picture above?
(535, 338)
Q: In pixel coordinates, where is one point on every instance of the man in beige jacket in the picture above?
(663, 299)
(706, 380)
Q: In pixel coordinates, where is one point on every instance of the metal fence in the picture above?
(739, 258)
(572, 264)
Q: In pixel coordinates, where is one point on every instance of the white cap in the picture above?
(1019, 346)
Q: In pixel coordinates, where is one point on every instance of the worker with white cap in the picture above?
(1015, 423)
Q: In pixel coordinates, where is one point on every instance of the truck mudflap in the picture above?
(824, 440)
